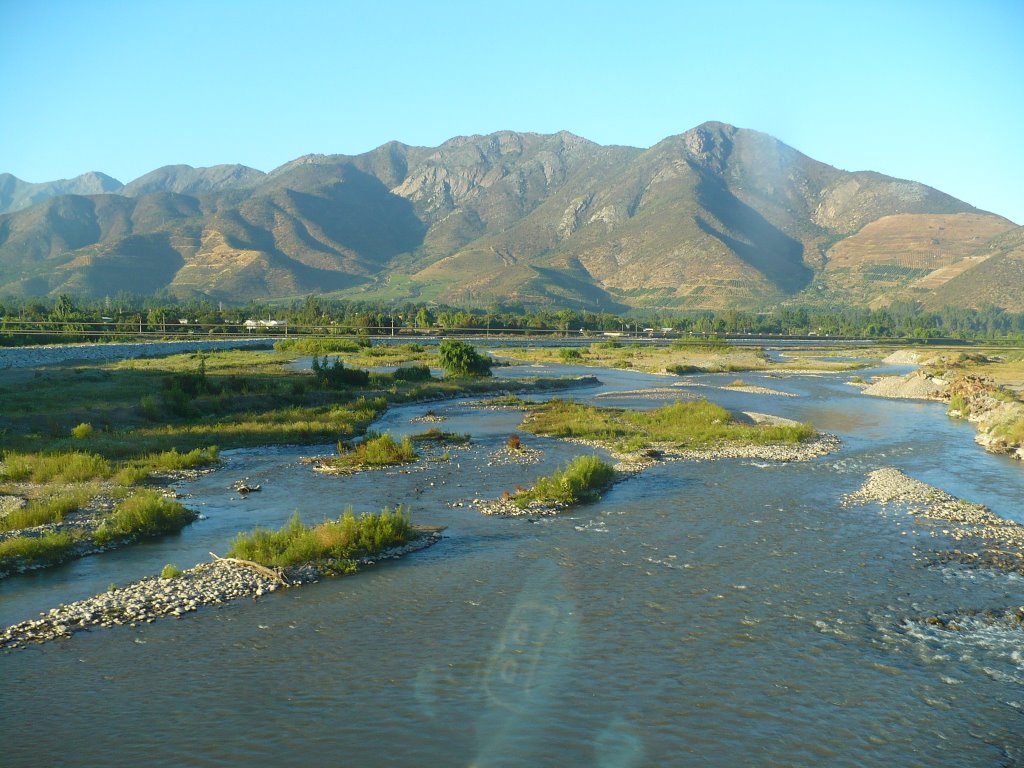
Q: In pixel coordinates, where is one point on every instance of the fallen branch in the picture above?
(270, 573)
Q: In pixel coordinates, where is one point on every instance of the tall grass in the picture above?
(45, 511)
(696, 423)
(50, 549)
(67, 467)
(1012, 432)
(317, 346)
(333, 544)
(172, 460)
(147, 513)
(376, 451)
(582, 480)
(435, 435)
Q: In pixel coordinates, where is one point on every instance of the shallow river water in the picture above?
(703, 613)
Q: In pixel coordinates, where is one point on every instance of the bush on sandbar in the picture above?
(147, 513)
(582, 480)
(334, 542)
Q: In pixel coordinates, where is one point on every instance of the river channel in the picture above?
(714, 613)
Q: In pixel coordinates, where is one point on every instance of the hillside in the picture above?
(715, 217)
(16, 195)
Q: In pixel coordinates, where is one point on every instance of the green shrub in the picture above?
(316, 346)
(1012, 432)
(682, 370)
(172, 460)
(376, 451)
(82, 431)
(335, 543)
(150, 408)
(336, 375)
(582, 480)
(959, 406)
(170, 571)
(460, 359)
(131, 475)
(49, 549)
(687, 424)
(145, 514)
(412, 373)
(568, 354)
(435, 435)
(178, 402)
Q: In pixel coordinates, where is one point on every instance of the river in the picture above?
(715, 613)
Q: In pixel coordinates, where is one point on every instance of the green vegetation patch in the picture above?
(317, 346)
(50, 549)
(65, 467)
(52, 509)
(332, 545)
(694, 424)
(375, 451)
(435, 435)
(145, 514)
(460, 359)
(583, 480)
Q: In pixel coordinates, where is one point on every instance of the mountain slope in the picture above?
(715, 217)
(16, 195)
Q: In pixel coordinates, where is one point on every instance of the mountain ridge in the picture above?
(711, 218)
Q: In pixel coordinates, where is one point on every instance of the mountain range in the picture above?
(712, 218)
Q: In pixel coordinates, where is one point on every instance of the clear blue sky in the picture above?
(932, 91)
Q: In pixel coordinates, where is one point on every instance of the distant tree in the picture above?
(424, 319)
(64, 308)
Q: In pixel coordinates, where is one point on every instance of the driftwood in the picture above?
(270, 573)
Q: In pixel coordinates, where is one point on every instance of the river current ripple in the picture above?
(704, 613)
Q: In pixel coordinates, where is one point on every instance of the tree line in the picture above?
(71, 317)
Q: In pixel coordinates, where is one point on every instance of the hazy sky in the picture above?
(931, 91)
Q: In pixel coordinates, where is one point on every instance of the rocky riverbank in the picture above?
(918, 385)
(206, 584)
(996, 412)
(982, 537)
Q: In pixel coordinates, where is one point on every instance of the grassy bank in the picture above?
(695, 424)
(681, 357)
(333, 546)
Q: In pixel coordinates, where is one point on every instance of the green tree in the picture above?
(424, 319)
(460, 359)
(64, 308)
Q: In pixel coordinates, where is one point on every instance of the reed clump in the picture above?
(376, 451)
(145, 514)
(52, 509)
(693, 424)
(333, 545)
(583, 480)
(49, 549)
(61, 467)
